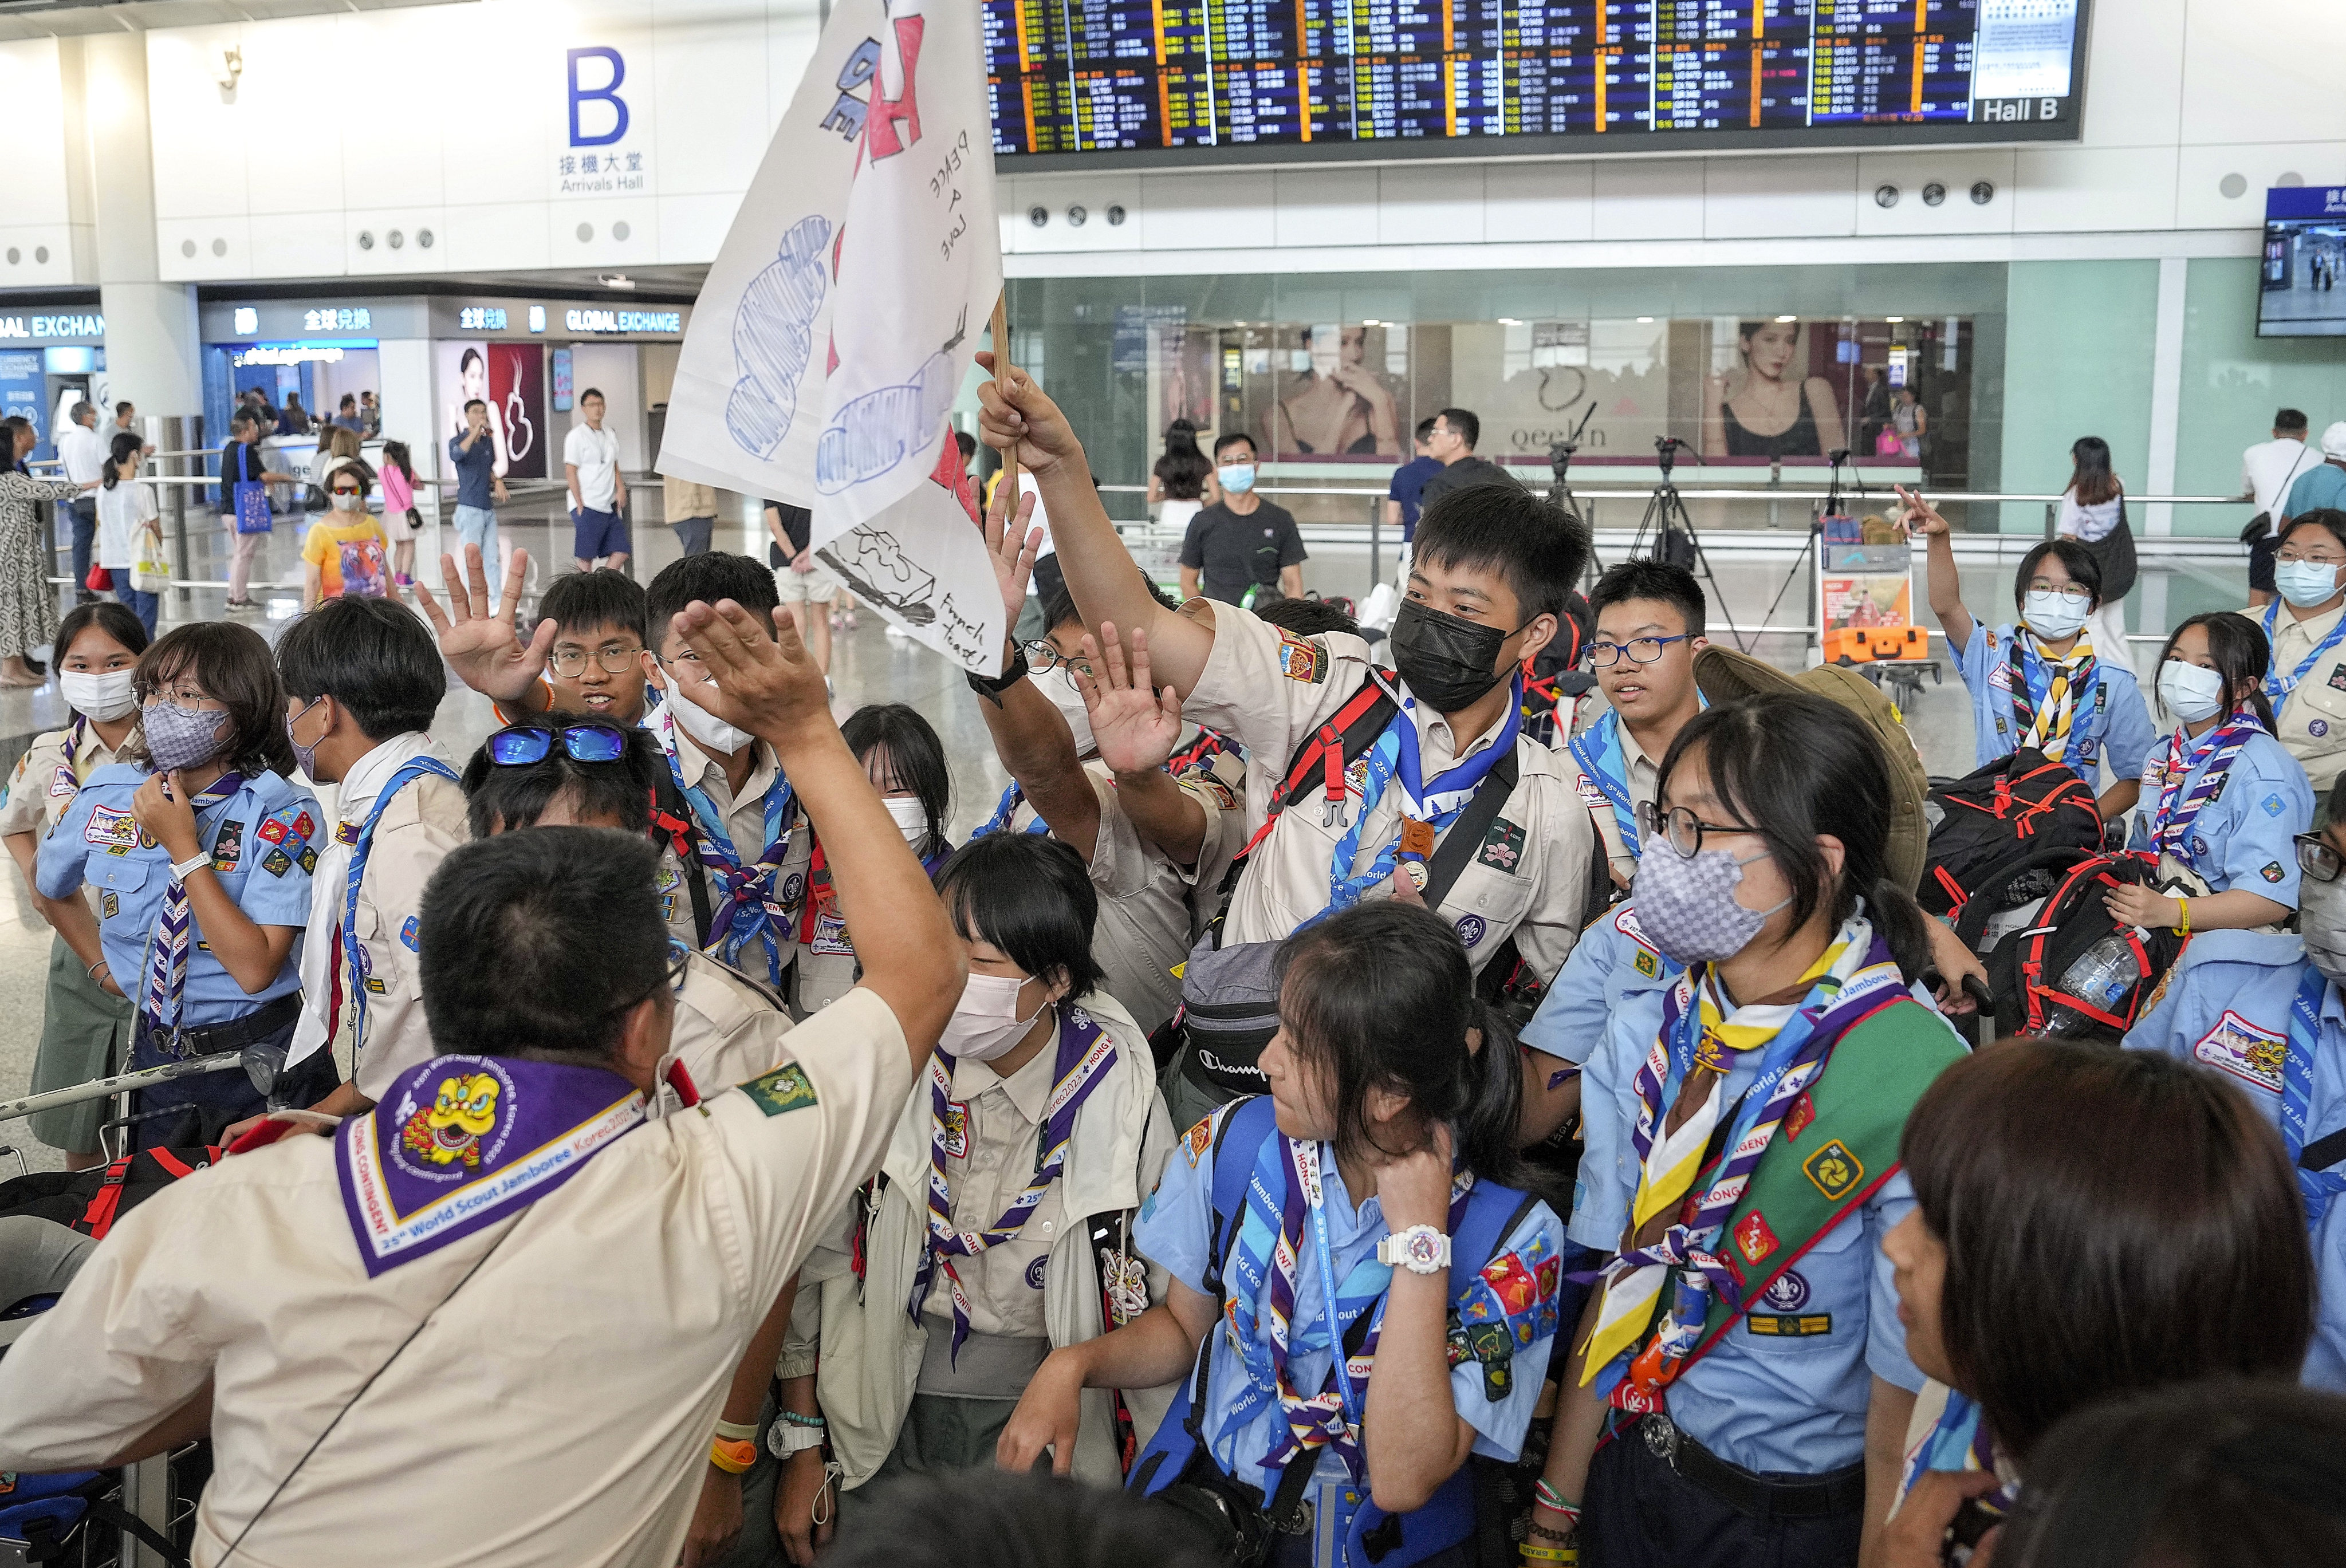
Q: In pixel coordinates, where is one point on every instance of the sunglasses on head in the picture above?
(520, 744)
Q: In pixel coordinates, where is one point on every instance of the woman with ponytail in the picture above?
(1366, 1201)
(1741, 1375)
(2222, 798)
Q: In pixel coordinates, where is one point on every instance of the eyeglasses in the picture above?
(2073, 592)
(571, 663)
(1637, 650)
(1681, 826)
(1045, 657)
(2317, 859)
(184, 696)
(520, 744)
(2315, 554)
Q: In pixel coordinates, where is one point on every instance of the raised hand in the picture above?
(1921, 517)
(1015, 416)
(1011, 546)
(1133, 725)
(486, 650)
(769, 685)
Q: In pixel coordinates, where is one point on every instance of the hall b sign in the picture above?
(608, 149)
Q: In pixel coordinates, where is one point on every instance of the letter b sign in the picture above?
(607, 92)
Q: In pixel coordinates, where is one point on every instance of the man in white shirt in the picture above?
(590, 454)
(493, 1322)
(2267, 470)
(82, 449)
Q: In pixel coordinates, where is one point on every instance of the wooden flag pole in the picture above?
(1002, 364)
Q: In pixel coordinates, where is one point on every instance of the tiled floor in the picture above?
(867, 667)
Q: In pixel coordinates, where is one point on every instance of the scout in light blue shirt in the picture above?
(1601, 1015)
(2232, 1005)
(2239, 836)
(1173, 1230)
(2030, 684)
(261, 853)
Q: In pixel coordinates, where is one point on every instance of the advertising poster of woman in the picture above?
(1769, 405)
(463, 376)
(1338, 405)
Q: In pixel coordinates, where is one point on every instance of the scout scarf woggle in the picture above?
(1854, 976)
(1085, 1054)
(2170, 826)
(2048, 692)
(462, 1142)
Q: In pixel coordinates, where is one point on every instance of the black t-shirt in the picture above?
(1234, 553)
(798, 526)
(1468, 470)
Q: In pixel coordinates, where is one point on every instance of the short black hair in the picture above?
(1059, 603)
(581, 601)
(916, 759)
(350, 400)
(1005, 1521)
(125, 406)
(1425, 426)
(1231, 438)
(2324, 517)
(371, 655)
(1646, 578)
(234, 666)
(574, 922)
(966, 442)
(707, 577)
(1306, 617)
(2076, 559)
(502, 798)
(1538, 550)
(110, 616)
(2292, 418)
(474, 402)
(1464, 423)
(592, 391)
(1032, 897)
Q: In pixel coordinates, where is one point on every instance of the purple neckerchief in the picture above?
(462, 1142)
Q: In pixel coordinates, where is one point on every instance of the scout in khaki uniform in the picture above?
(980, 1261)
(363, 683)
(617, 1317)
(1150, 840)
(587, 660)
(86, 1018)
(2307, 628)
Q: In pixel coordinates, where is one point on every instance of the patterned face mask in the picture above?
(1688, 905)
(180, 737)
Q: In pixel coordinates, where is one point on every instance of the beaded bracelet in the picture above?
(797, 1419)
(1562, 1537)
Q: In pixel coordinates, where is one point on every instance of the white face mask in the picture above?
(1060, 686)
(2190, 692)
(704, 726)
(2052, 616)
(104, 697)
(350, 501)
(985, 1022)
(2305, 584)
(912, 817)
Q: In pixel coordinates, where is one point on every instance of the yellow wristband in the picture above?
(2183, 926)
(732, 1458)
(1568, 1555)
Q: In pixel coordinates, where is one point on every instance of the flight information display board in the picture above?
(1075, 82)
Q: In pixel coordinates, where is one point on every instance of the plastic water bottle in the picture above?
(2100, 977)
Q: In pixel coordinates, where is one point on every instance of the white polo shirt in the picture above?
(596, 454)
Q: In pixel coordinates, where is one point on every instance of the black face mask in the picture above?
(1447, 663)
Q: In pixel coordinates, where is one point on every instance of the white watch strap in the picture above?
(182, 870)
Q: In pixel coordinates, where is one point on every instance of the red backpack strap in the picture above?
(98, 1217)
(172, 1164)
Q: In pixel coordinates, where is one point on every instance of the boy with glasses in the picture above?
(363, 683)
(1649, 626)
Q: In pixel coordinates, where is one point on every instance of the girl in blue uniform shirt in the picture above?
(2222, 798)
(1364, 1200)
(200, 851)
(2264, 1009)
(2042, 683)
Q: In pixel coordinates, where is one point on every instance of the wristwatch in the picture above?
(1420, 1249)
(792, 1434)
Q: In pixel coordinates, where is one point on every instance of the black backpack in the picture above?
(2076, 974)
(1998, 830)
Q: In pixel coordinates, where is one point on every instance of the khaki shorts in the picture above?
(817, 587)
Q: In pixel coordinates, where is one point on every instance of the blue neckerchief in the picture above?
(743, 916)
(361, 848)
(1598, 751)
(2318, 1187)
(1959, 1443)
(2279, 685)
(1436, 801)
(1003, 810)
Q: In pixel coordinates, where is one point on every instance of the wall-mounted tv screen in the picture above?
(1079, 84)
(2305, 258)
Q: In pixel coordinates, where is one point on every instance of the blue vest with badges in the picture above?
(1366, 1535)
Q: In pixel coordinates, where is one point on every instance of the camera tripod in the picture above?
(1559, 460)
(1677, 539)
(1812, 553)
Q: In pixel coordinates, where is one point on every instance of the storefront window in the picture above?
(1750, 368)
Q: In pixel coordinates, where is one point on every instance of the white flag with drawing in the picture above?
(837, 322)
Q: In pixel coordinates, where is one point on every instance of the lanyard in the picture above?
(363, 846)
(2281, 684)
(1606, 768)
(1342, 1376)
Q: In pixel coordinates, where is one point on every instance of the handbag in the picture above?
(414, 519)
(251, 498)
(150, 567)
(99, 581)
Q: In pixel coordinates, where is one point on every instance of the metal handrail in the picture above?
(1938, 497)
